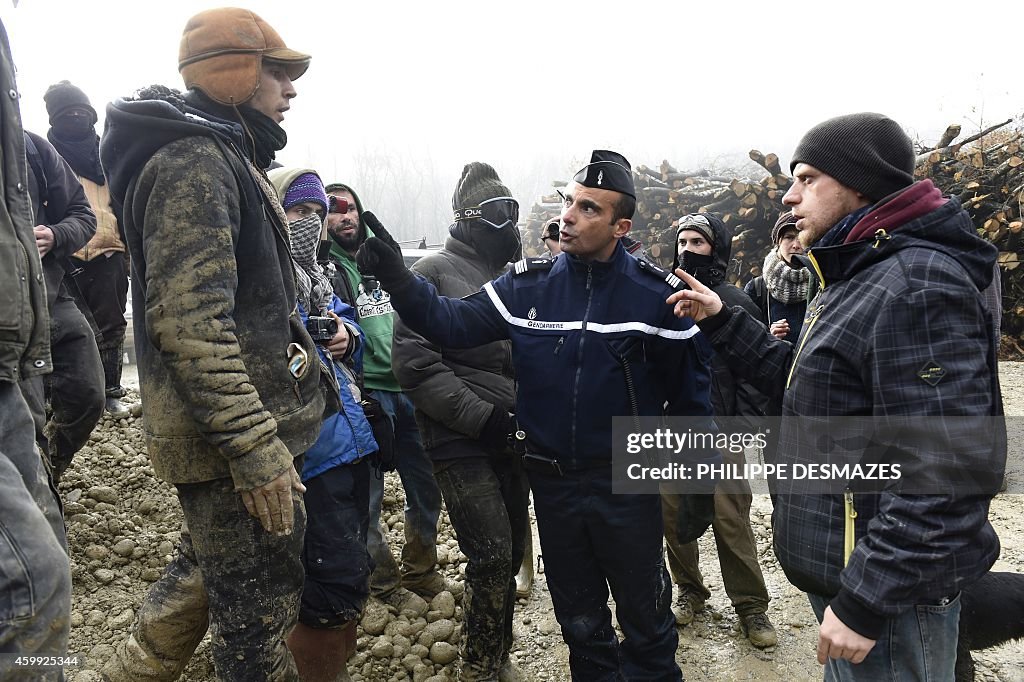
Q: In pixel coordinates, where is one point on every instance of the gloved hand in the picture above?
(497, 431)
(381, 256)
(696, 511)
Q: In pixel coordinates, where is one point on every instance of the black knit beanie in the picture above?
(867, 152)
(479, 182)
(60, 97)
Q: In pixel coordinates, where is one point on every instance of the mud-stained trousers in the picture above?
(75, 387)
(228, 574)
(422, 506)
(488, 504)
(35, 576)
(593, 539)
(737, 548)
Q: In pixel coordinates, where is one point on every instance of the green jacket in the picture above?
(373, 313)
(24, 322)
(216, 325)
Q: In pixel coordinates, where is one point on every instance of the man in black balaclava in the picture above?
(463, 398)
(703, 249)
(101, 272)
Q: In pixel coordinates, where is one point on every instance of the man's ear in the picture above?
(622, 227)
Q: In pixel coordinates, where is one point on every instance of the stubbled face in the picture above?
(588, 230)
(344, 227)
(818, 202)
(790, 245)
(306, 208)
(694, 242)
(275, 93)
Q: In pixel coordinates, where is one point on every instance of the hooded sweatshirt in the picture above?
(373, 308)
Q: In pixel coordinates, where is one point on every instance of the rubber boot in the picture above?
(322, 655)
(524, 579)
(112, 359)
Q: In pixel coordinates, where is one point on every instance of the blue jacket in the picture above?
(345, 437)
(571, 323)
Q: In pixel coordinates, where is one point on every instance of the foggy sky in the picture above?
(416, 90)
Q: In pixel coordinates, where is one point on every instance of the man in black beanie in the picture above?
(898, 329)
(591, 339)
(463, 398)
(101, 273)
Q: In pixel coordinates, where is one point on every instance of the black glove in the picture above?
(380, 256)
(696, 511)
(497, 431)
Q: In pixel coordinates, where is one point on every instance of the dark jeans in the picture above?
(35, 577)
(75, 388)
(229, 574)
(592, 540)
(422, 505)
(737, 549)
(103, 283)
(488, 504)
(334, 552)
(919, 644)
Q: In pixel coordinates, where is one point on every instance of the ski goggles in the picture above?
(498, 213)
(337, 204)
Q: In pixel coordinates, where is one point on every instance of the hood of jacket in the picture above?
(363, 231)
(709, 270)
(947, 229)
(136, 127)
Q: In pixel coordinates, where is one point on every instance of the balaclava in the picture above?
(480, 182)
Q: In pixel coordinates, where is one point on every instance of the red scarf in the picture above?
(898, 209)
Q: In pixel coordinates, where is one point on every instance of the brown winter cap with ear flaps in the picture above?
(222, 52)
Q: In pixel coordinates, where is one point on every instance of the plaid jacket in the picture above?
(888, 308)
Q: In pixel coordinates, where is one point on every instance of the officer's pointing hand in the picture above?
(697, 302)
(381, 256)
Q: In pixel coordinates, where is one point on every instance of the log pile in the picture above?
(984, 171)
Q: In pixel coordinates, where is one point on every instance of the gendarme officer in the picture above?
(574, 322)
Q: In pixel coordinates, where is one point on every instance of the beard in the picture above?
(348, 241)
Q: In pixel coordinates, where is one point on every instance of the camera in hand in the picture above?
(322, 329)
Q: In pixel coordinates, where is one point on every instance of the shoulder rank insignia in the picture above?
(664, 275)
(532, 265)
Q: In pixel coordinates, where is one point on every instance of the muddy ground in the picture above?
(123, 526)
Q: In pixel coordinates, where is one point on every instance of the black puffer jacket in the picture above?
(453, 389)
(215, 317)
(24, 322)
(730, 396)
(898, 330)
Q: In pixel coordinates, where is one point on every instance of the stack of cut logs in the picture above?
(985, 171)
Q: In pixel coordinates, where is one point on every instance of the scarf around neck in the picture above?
(785, 284)
(313, 285)
(82, 155)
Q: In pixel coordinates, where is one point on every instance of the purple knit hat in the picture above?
(306, 187)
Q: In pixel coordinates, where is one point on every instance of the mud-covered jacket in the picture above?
(58, 202)
(454, 389)
(216, 320)
(24, 321)
(898, 330)
(572, 325)
(730, 395)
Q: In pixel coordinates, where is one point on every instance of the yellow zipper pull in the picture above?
(880, 236)
(849, 529)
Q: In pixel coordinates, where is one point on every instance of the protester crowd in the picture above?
(288, 358)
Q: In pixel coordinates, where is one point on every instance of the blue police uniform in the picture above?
(573, 325)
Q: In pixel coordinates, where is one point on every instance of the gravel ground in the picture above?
(123, 525)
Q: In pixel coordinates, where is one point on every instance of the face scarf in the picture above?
(785, 284)
(314, 287)
(78, 143)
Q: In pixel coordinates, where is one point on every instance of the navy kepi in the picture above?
(607, 170)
